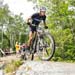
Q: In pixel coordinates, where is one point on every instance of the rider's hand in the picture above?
(46, 27)
(28, 23)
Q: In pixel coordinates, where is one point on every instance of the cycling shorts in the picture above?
(33, 28)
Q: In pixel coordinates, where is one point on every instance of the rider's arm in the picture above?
(44, 21)
(28, 21)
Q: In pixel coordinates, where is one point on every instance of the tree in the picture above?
(10, 26)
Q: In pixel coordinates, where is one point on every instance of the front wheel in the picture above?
(46, 47)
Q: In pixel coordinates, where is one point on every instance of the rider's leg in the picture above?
(31, 35)
(30, 38)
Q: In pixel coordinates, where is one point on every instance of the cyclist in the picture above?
(35, 21)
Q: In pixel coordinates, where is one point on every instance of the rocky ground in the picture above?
(6, 60)
(46, 68)
(39, 67)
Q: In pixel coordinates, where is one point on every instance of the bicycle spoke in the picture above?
(47, 44)
(47, 52)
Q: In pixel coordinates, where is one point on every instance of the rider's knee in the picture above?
(30, 38)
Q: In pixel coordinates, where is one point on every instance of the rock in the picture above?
(46, 68)
(1, 72)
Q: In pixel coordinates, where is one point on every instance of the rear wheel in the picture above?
(29, 54)
(26, 54)
(46, 47)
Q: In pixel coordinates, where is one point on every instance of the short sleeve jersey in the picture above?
(36, 18)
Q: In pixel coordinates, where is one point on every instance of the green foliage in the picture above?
(12, 27)
(11, 67)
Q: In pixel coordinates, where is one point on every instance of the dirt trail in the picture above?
(10, 58)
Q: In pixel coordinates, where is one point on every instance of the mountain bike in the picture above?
(43, 44)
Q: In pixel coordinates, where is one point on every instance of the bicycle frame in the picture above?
(40, 33)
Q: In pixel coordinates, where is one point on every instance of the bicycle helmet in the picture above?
(43, 9)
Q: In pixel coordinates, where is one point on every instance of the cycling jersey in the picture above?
(36, 18)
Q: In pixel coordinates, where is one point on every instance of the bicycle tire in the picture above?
(53, 47)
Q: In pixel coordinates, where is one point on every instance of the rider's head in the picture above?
(42, 11)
